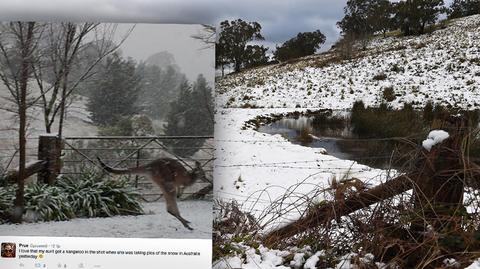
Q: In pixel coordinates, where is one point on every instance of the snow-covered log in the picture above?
(31, 168)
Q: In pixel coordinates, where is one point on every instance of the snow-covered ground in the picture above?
(156, 223)
(255, 168)
(443, 67)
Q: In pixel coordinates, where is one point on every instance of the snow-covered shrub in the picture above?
(91, 195)
(7, 195)
(85, 195)
(381, 76)
(48, 203)
(232, 226)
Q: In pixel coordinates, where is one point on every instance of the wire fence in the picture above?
(79, 155)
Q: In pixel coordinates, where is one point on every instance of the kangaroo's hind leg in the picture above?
(170, 193)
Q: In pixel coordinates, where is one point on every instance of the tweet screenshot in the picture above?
(106, 145)
(54, 252)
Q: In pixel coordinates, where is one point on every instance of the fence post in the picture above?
(49, 150)
(137, 165)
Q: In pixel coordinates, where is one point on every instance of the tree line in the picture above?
(130, 96)
(362, 18)
(234, 46)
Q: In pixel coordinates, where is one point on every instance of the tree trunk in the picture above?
(237, 65)
(19, 203)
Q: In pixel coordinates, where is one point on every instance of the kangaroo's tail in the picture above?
(120, 171)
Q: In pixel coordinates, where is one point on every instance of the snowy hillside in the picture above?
(443, 66)
(256, 169)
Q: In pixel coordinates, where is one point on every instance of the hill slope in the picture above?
(443, 66)
(260, 170)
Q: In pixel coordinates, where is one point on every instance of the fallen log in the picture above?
(31, 168)
(334, 210)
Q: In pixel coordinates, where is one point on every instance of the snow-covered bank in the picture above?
(256, 168)
(156, 223)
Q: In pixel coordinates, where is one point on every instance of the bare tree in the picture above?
(18, 46)
(63, 48)
(207, 36)
(70, 53)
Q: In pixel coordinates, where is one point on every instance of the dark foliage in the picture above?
(116, 94)
(232, 43)
(190, 115)
(413, 16)
(303, 44)
(462, 8)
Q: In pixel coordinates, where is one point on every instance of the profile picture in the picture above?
(8, 250)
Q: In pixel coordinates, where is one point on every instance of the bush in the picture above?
(87, 195)
(7, 195)
(428, 113)
(397, 69)
(231, 225)
(383, 121)
(93, 196)
(48, 203)
(388, 94)
(380, 76)
(323, 121)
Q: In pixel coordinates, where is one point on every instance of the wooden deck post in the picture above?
(49, 150)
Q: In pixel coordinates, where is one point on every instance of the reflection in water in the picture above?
(336, 135)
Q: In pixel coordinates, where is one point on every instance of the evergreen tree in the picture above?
(190, 115)
(356, 19)
(114, 97)
(381, 16)
(412, 16)
(158, 88)
(366, 17)
(463, 8)
(255, 56)
(302, 45)
(233, 39)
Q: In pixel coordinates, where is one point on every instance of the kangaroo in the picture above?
(168, 174)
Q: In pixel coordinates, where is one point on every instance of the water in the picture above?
(337, 137)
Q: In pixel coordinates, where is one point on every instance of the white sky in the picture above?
(191, 55)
